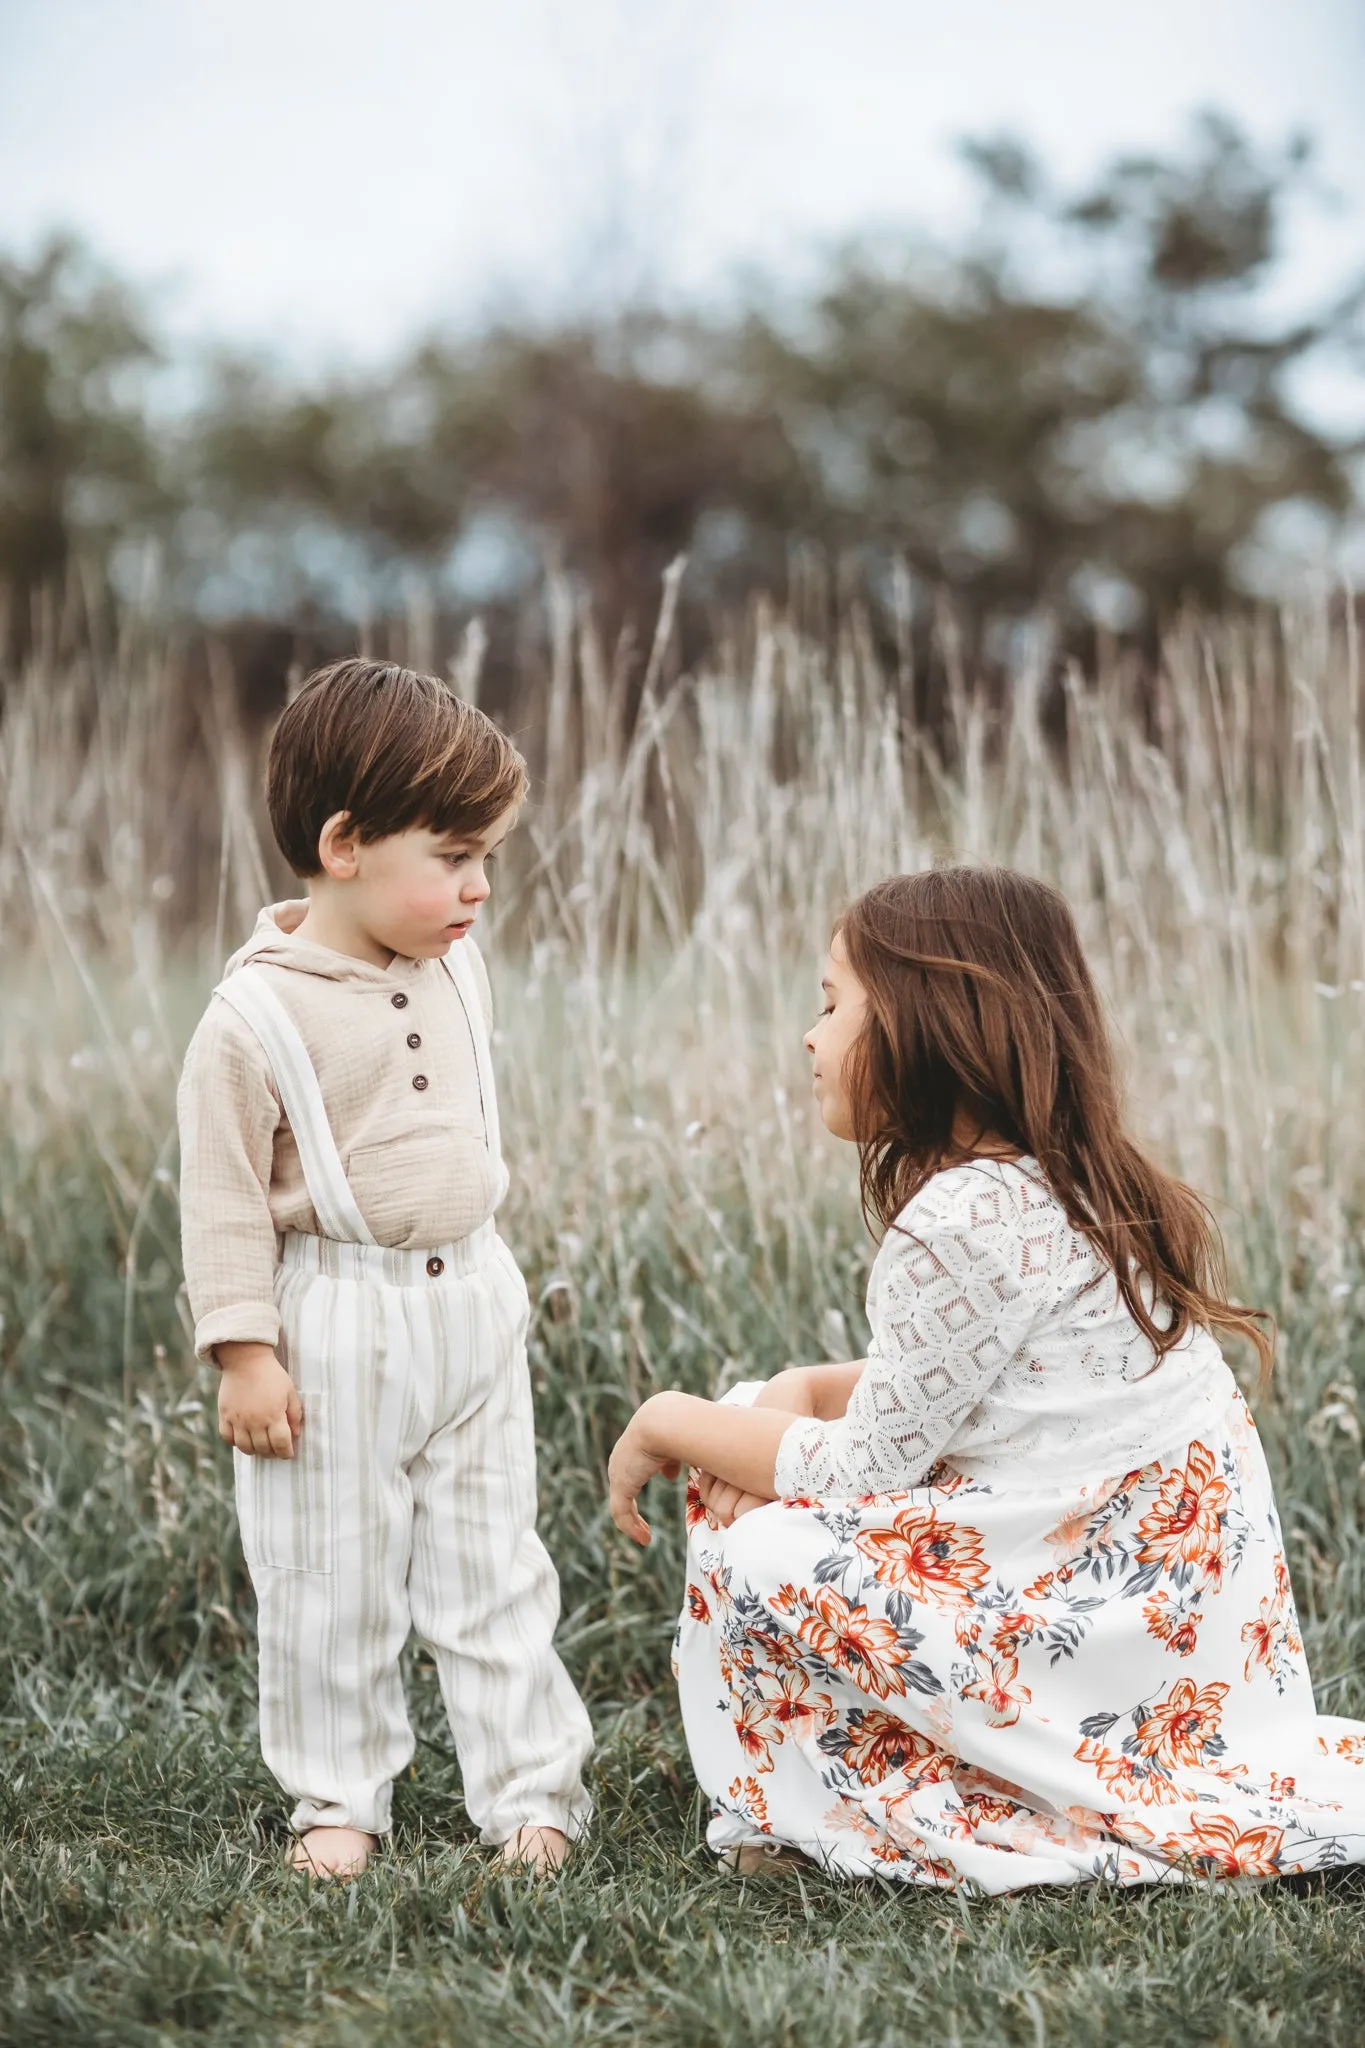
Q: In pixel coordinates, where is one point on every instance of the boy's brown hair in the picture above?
(980, 1001)
(392, 749)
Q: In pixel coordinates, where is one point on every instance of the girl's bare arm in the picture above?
(821, 1391)
(737, 1445)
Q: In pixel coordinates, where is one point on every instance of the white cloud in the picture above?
(331, 173)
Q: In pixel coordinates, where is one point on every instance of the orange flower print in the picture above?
(1040, 1587)
(694, 1514)
(853, 1641)
(747, 1795)
(1126, 1779)
(791, 1705)
(1351, 1747)
(1215, 1841)
(1271, 1637)
(1070, 1534)
(905, 1837)
(782, 1652)
(1179, 1727)
(696, 1604)
(925, 1556)
(985, 1809)
(1010, 1630)
(752, 1728)
(1166, 1622)
(1001, 1693)
(879, 1744)
(848, 1818)
(1182, 1525)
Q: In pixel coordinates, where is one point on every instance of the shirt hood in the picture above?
(274, 944)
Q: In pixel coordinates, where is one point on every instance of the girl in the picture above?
(1007, 1601)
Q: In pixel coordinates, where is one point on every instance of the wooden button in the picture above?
(400, 1001)
(414, 1039)
(419, 1081)
(436, 1267)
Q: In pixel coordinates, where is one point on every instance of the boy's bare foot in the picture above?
(749, 1859)
(333, 1852)
(536, 1849)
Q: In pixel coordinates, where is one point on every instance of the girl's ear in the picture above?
(338, 847)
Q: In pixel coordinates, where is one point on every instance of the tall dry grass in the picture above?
(655, 942)
(655, 952)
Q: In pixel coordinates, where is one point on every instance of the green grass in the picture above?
(143, 1898)
(681, 1220)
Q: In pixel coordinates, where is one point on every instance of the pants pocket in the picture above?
(286, 1506)
(521, 1292)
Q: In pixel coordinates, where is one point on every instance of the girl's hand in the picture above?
(726, 1503)
(632, 1465)
(259, 1410)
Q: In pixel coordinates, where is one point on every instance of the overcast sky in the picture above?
(330, 175)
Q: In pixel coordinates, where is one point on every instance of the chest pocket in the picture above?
(287, 1506)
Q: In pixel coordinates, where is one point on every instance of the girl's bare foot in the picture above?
(333, 1852)
(536, 1849)
(749, 1859)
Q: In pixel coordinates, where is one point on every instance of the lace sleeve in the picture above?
(950, 1305)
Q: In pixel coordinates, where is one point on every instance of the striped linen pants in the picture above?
(410, 1505)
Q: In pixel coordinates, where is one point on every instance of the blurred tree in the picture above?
(1089, 408)
(1112, 442)
(78, 462)
(602, 456)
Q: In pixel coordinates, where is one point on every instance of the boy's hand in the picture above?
(259, 1410)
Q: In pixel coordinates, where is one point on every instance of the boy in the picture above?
(340, 1169)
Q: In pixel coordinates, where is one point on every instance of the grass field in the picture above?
(681, 1218)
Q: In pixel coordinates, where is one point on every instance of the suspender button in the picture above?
(436, 1267)
(419, 1081)
(400, 1001)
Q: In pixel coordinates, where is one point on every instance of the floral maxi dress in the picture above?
(1023, 1615)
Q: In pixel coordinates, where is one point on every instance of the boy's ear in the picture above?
(338, 845)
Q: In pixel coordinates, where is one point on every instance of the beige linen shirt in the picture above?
(416, 1157)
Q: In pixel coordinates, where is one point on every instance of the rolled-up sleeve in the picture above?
(953, 1307)
(228, 1114)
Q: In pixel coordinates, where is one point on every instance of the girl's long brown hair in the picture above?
(980, 1001)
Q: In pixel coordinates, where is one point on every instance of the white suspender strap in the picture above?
(252, 997)
(460, 968)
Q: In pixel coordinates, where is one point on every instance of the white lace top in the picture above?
(1000, 1343)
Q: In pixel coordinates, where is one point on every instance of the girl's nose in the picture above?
(477, 887)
